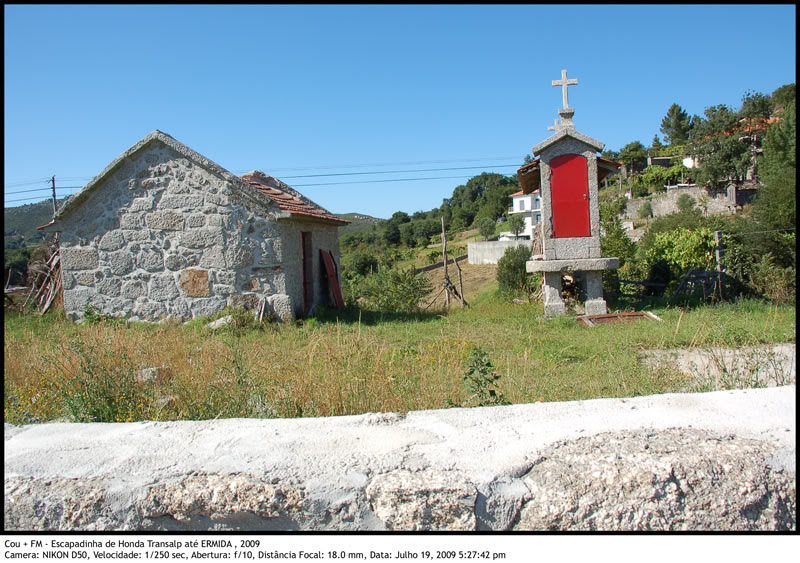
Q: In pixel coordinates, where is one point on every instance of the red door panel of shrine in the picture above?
(569, 189)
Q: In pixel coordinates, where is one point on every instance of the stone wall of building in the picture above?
(323, 237)
(165, 237)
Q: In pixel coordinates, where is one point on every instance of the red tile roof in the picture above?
(288, 201)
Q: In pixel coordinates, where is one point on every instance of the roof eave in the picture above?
(595, 144)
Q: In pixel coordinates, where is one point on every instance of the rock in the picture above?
(426, 500)
(147, 375)
(676, 479)
(220, 322)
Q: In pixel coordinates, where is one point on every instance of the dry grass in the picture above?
(350, 364)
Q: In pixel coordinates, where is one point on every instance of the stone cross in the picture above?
(555, 126)
(564, 83)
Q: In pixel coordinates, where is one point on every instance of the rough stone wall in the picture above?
(665, 204)
(571, 247)
(164, 237)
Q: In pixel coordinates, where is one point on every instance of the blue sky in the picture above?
(310, 90)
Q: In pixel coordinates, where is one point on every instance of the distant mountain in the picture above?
(358, 222)
(19, 223)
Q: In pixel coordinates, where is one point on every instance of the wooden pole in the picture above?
(446, 279)
(718, 255)
(53, 180)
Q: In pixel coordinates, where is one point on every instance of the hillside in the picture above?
(19, 223)
(358, 222)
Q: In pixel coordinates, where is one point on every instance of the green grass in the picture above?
(352, 362)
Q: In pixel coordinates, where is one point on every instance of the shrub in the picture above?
(434, 256)
(361, 263)
(775, 283)
(512, 277)
(646, 210)
(685, 203)
(679, 251)
(396, 290)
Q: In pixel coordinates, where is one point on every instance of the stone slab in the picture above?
(528, 467)
(572, 265)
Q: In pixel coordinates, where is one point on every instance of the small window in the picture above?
(522, 205)
(537, 219)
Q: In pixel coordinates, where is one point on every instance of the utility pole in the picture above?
(53, 180)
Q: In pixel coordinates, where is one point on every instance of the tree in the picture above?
(676, 125)
(516, 223)
(407, 234)
(646, 210)
(720, 151)
(400, 217)
(633, 155)
(780, 145)
(656, 146)
(756, 105)
(775, 206)
(487, 227)
(784, 96)
(392, 234)
(609, 154)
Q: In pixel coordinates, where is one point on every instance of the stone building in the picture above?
(163, 232)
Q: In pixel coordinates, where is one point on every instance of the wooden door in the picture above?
(569, 190)
(308, 267)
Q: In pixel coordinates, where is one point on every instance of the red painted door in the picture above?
(569, 189)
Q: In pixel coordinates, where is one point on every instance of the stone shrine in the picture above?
(569, 172)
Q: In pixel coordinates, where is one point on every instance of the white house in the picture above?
(530, 206)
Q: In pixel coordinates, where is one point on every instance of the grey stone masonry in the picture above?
(164, 232)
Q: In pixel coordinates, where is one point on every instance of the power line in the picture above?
(762, 232)
(315, 184)
(400, 171)
(484, 166)
(30, 183)
(385, 180)
(409, 163)
(44, 190)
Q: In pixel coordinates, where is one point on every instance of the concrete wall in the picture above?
(667, 203)
(165, 237)
(699, 461)
(491, 251)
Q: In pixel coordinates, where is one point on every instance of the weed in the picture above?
(481, 380)
(93, 392)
